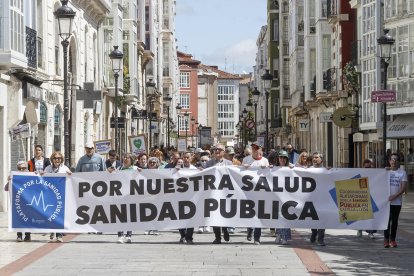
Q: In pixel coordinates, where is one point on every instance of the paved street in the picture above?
(83, 254)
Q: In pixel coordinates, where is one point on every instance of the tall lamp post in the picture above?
(167, 100)
(200, 127)
(178, 108)
(116, 58)
(196, 140)
(244, 115)
(65, 16)
(256, 95)
(192, 130)
(186, 114)
(151, 91)
(267, 79)
(385, 43)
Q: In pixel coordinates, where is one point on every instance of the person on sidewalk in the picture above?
(219, 160)
(186, 234)
(366, 164)
(127, 165)
(57, 166)
(22, 167)
(319, 234)
(255, 159)
(283, 235)
(38, 163)
(398, 182)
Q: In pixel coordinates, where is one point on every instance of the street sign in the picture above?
(250, 124)
(383, 96)
(121, 122)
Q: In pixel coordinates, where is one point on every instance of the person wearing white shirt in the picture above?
(256, 159)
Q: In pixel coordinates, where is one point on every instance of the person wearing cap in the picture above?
(229, 155)
(255, 159)
(21, 167)
(91, 161)
(219, 160)
(283, 234)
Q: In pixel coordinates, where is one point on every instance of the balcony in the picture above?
(31, 47)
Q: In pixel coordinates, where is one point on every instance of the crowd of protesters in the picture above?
(217, 155)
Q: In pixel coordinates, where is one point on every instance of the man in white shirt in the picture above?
(256, 159)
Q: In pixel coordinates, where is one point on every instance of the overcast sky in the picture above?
(221, 32)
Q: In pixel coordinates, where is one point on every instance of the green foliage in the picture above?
(351, 78)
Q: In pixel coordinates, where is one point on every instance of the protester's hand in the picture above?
(246, 165)
(68, 172)
(139, 169)
(9, 178)
(41, 173)
(388, 168)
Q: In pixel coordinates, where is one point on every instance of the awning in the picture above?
(401, 127)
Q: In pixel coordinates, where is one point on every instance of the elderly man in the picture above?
(91, 161)
(219, 160)
(255, 159)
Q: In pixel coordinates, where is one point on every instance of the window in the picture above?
(225, 93)
(184, 79)
(226, 111)
(226, 129)
(17, 26)
(276, 29)
(43, 113)
(185, 101)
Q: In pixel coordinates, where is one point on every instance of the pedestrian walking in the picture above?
(398, 182)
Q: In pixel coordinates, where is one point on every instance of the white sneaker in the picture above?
(200, 230)
(121, 239)
(59, 239)
(128, 239)
(147, 232)
(284, 242)
(207, 229)
(277, 240)
(155, 232)
(52, 236)
(359, 233)
(256, 242)
(371, 236)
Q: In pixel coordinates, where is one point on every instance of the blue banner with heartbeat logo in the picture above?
(38, 202)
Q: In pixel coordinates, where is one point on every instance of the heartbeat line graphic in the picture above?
(37, 202)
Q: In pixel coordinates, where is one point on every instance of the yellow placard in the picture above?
(354, 200)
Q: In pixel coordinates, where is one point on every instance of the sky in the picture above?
(220, 32)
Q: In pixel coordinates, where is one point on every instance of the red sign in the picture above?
(250, 124)
(383, 96)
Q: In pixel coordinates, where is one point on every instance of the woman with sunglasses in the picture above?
(57, 166)
(283, 234)
(127, 165)
(153, 164)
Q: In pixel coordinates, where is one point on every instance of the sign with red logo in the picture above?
(383, 96)
(250, 124)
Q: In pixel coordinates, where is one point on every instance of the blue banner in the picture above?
(38, 202)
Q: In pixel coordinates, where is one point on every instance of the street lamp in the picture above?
(167, 100)
(116, 58)
(267, 79)
(178, 108)
(65, 16)
(256, 95)
(151, 91)
(200, 127)
(244, 116)
(186, 114)
(196, 124)
(385, 43)
(192, 130)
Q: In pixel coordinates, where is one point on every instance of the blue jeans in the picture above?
(256, 234)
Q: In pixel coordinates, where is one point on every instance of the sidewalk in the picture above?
(83, 254)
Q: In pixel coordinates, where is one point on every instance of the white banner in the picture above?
(218, 196)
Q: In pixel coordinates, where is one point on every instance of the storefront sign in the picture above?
(20, 131)
(32, 92)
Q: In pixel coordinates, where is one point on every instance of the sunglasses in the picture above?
(152, 162)
(203, 160)
(57, 158)
(21, 168)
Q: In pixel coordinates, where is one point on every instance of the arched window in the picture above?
(43, 113)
